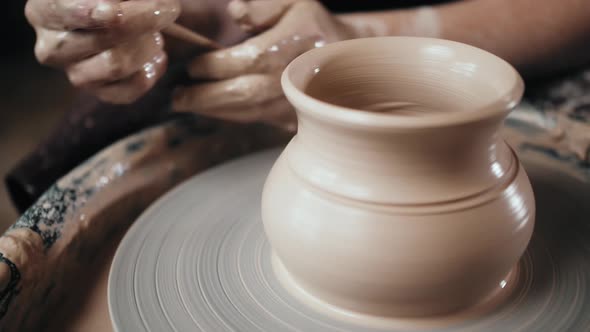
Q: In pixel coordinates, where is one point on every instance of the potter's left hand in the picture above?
(243, 82)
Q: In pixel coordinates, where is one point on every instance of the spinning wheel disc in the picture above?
(198, 260)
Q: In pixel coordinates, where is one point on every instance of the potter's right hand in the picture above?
(242, 83)
(112, 49)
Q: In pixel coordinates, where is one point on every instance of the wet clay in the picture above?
(304, 25)
(258, 15)
(398, 152)
(498, 297)
(110, 48)
(245, 76)
(222, 271)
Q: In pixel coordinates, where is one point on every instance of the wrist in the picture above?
(421, 21)
(361, 25)
(364, 25)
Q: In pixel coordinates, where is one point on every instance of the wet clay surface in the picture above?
(92, 309)
(113, 49)
(245, 78)
(226, 251)
(562, 177)
(374, 185)
(548, 278)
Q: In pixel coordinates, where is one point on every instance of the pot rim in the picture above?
(306, 104)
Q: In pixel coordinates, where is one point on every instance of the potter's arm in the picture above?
(538, 37)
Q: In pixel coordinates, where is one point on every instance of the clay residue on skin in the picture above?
(105, 11)
(110, 48)
(245, 78)
(274, 49)
(258, 15)
(129, 89)
(117, 63)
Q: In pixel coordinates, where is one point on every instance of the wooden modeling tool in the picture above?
(187, 35)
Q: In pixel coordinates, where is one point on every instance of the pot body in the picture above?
(394, 218)
(391, 260)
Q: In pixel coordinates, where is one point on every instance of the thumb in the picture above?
(72, 14)
(258, 15)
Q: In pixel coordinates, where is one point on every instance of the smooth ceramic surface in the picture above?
(553, 124)
(397, 197)
(190, 263)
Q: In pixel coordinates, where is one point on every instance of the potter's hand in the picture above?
(243, 82)
(110, 48)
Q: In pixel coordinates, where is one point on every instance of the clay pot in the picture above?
(397, 197)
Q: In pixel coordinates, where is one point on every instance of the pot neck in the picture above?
(401, 166)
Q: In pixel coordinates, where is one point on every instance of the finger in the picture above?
(280, 114)
(72, 14)
(117, 63)
(60, 48)
(257, 15)
(248, 114)
(140, 16)
(276, 112)
(130, 89)
(65, 15)
(270, 51)
(244, 91)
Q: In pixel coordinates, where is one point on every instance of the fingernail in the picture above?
(237, 10)
(104, 12)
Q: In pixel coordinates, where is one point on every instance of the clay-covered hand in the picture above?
(242, 83)
(112, 49)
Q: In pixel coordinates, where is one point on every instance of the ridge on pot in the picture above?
(397, 197)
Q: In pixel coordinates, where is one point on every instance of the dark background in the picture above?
(32, 97)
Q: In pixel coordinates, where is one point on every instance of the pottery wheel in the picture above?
(198, 260)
